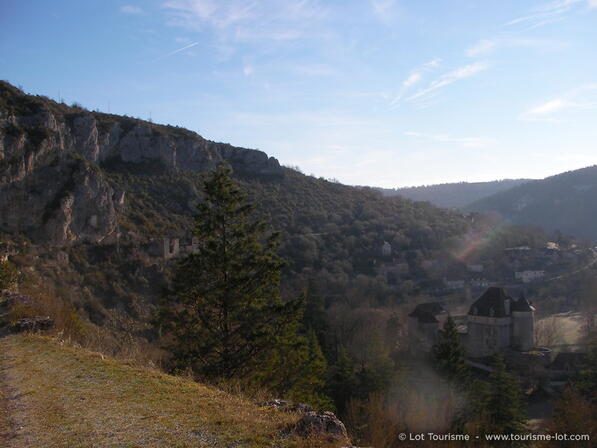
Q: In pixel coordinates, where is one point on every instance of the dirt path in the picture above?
(6, 425)
(13, 430)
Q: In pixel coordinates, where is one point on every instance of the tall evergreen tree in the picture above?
(314, 317)
(342, 382)
(449, 355)
(378, 371)
(224, 313)
(297, 370)
(504, 407)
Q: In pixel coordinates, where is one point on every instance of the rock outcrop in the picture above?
(318, 424)
(321, 424)
(36, 323)
(54, 160)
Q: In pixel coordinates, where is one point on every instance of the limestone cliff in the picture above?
(53, 188)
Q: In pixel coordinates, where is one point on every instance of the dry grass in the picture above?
(5, 426)
(70, 328)
(66, 319)
(70, 397)
(380, 423)
(122, 346)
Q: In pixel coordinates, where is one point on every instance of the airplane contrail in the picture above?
(179, 50)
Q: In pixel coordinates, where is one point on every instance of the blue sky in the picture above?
(378, 92)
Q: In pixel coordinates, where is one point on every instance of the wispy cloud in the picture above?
(131, 9)
(383, 9)
(550, 12)
(194, 14)
(253, 33)
(549, 110)
(481, 48)
(225, 25)
(458, 74)
(414, 78)
(549, 107)
(245, 19)
(467, 142)
(485, 47)
(581, 98)
(248, 70)
(432, 64)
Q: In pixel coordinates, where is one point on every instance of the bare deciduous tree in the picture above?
(549, 332)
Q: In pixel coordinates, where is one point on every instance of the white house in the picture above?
(529, 276)
(386, 249)
(454, 284)
(475, 267)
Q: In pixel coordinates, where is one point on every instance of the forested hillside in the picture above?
(565, 202)
(454, 195)
(103, 190)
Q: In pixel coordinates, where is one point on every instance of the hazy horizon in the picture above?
(381, 93)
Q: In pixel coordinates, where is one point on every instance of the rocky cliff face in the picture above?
(53, 187)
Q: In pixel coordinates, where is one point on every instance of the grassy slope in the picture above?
(66, 397)
(5, 427)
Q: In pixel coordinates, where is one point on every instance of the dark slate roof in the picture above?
(491, 303)
(521, 304)
(433, 308)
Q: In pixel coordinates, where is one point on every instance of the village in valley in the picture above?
(493, 310)
(490, 300)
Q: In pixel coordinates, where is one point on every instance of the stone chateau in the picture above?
(495, 322)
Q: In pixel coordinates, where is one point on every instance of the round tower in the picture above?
(523, 325)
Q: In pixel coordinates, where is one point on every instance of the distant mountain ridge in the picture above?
(454, 195)
(566, 202)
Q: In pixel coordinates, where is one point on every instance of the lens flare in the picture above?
(476, 240)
